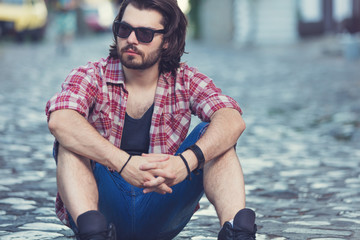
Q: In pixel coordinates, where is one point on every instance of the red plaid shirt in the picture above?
(98, 92)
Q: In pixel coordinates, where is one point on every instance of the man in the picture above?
(120, 126)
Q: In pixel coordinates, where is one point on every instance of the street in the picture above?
(300, 152)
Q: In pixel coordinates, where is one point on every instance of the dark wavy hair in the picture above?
(175, 24)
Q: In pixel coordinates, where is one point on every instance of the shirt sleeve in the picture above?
(78, 93)
(206, 98)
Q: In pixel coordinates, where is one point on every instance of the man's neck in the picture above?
(141, 78)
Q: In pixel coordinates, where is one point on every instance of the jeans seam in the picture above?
(133, 196)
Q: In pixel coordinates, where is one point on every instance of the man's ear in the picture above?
(166, 44)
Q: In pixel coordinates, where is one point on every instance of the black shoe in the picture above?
(244, 227)
(109, 234)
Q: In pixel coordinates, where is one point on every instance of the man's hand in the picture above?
(140, 177)
(170, 172)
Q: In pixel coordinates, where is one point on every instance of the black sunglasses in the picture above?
(144, 35)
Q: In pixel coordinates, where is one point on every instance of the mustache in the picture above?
(131, 47)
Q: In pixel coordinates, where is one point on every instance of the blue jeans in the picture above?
(148, 216)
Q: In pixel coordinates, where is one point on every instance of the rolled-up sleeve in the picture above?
(206, 98)
(78, 92)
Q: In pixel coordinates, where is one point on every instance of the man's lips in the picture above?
(131, 52)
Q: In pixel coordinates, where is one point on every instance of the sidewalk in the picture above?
(300, 152)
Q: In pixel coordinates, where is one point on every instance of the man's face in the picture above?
(134, 54)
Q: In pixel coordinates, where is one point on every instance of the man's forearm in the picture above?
(225, 128)
(74, 133)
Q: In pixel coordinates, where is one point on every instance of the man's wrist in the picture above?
(199, 156)
(123, 157)
(127, 161)
(188, 171)
(191, 159)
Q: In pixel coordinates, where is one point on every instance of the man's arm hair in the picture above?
(224, 130)
(77, 135)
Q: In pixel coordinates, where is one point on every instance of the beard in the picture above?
(132, 62)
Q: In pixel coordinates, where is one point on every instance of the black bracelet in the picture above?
(199, 155)
(125, 164)
(187, 167)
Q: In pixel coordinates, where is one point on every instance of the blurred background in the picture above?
(293, 66)
(240, 21)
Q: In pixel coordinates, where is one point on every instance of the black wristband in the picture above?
(199, 155)
(125, 164)
(187, 167)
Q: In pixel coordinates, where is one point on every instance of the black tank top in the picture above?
(136, 133)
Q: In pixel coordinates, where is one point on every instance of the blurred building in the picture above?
(276, 21)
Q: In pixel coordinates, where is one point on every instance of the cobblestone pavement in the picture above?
(300, 153)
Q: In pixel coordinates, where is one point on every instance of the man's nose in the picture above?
(132, 38)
